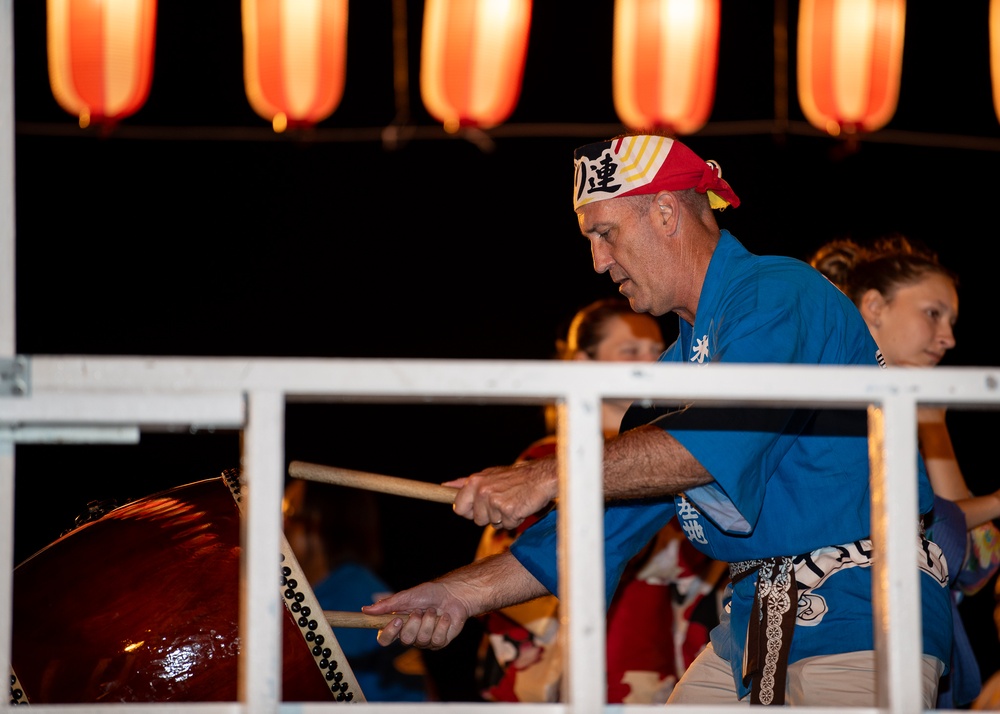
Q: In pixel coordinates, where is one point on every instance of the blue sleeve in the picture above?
(628, 527)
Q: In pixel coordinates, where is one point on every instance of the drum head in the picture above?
(142, 605)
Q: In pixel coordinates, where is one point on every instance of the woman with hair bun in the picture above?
(910, 302)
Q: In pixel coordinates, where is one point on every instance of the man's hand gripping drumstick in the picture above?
(432, 614)
(501, 496)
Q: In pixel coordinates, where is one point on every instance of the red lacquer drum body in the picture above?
(142, 605)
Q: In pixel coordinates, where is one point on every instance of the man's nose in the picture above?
(602, 258)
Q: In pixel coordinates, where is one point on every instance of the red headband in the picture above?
(640, 164)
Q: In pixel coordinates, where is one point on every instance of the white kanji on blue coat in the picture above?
(687, 516)
(700, 350)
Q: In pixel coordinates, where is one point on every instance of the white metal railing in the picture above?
(121, 394)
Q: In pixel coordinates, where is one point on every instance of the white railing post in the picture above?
(892, 448)
(260, 604)
(581, 549)
(7, 223)
(6, 546)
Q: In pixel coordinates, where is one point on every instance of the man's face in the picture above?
(625, 244)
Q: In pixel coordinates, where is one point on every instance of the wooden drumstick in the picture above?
(373, 482)
(340, 618)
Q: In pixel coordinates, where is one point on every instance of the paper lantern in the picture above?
(664, 60)
(294, 59)
(995, 53)
(101, 56)
(850, 57)
(472, 60)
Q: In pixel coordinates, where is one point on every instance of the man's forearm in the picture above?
(648, 462)
(492, 583)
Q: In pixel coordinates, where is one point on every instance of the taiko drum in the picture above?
(142, 605)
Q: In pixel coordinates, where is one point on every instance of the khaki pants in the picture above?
(830, 680)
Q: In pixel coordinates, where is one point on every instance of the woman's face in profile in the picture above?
(915, 327)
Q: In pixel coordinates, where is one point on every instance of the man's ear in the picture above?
(664, 209)
(872, 303)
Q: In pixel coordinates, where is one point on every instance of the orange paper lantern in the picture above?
(101, 56)
(294, 59)
(850, 57)
(665, 55)
(995, 53)
(472, 60)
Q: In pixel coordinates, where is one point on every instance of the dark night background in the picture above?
(192, 229)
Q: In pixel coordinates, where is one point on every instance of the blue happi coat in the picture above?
(787, 482)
